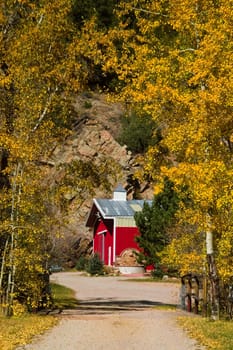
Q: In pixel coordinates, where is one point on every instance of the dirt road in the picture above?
(117, 314)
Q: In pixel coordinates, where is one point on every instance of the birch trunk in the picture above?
(16, 193)
(214, 288)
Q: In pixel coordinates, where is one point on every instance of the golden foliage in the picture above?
(213, 335)
(175, 59)
(19, 331)
(39, 72)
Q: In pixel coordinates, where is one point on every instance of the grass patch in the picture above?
(215, 335)
(165, 307)
(16, 331)
(142, 279)
(19, 331)
(63, 297)
(152, 279)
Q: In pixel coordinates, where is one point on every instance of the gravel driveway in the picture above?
(116, 314)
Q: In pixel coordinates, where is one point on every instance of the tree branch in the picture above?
(147, 11)
(40, 19)
(43, 114)
(188, 49)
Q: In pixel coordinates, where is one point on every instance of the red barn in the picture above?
(113, 225)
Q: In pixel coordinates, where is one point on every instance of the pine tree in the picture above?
(138, 132)
(153, 222)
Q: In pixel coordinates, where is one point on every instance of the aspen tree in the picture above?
(174, 60)
(38, 75)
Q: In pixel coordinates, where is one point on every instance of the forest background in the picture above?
(169, 63)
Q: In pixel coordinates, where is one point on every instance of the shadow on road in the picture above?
(110, 306)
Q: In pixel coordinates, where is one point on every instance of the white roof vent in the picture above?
(119, 194)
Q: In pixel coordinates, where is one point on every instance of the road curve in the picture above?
(116, 314)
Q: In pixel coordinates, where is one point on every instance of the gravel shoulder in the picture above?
(117, 314)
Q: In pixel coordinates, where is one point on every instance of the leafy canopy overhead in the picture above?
(41, 68)
(174, 61)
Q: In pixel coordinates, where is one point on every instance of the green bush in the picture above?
(81, 263)
(157, 273)
(87, 104)
(138, 132)
(95, 265)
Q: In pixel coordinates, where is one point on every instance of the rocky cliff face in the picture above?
(93, 140)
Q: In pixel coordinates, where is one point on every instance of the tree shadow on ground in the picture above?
(109, 306)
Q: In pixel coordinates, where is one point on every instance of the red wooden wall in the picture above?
(125, 238)
(103, 242)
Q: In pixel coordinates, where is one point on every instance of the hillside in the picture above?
(93, 139)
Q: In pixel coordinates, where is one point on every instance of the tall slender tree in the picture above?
(39, 73)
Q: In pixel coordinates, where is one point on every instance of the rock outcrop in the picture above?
(93, 140)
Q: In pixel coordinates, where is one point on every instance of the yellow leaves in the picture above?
(5, 81)
(184, 80)
(182, 14)
(19, 309)
(207, 181)
(18, 148)
(2, 17)
(209, 191)
(23, 2)
(158, 188)
(185, 255)
(212, 335)
(20, 330)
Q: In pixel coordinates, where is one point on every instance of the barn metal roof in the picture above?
(113, 208)
(117, 207)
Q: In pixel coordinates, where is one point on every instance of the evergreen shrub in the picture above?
(95, 265)
(81, 263)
